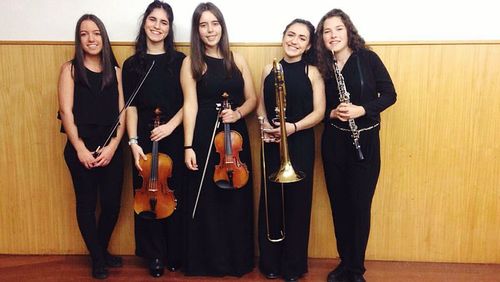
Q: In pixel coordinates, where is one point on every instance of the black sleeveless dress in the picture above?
(159, 238)
(288, 257)
(220, 237)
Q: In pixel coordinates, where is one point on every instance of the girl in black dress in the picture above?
(351, 180)
(90, 97)
(220, 236)
(305, 105)
(158, 241)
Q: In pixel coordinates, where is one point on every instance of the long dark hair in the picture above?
(324, 56)
(141, 47)
(108, 60)
(198, 47)
(309, 55)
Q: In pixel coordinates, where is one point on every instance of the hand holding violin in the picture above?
(230, 116)
(162, 131)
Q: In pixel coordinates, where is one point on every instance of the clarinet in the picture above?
(345, 97)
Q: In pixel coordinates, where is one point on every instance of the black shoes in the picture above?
(291, 279)
(337, 275)
(99, 271)
(113, 261)
(172, 268)
(356, 277)
(340, 274)
(156, 267)
(271, 275)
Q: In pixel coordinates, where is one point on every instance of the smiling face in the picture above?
(296, 41)
(335, 35)
(210, 30)
(90, 38)
(157, 26)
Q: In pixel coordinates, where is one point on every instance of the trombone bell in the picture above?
(286, 174)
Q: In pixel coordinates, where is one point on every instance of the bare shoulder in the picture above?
(186, 62)
(267, 69)
(66, 68)
(314, 72)
(239, 60)
(118, 71)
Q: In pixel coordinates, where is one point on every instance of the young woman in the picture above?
(90, 97)
(159, 241)
(305, 106)
(350, 178)
(220, 236)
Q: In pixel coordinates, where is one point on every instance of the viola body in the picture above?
(155, 197)
(155, 200)
(230, 173)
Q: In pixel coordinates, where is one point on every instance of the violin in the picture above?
(155, 200)
(230, 173)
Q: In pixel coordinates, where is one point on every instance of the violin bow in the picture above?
(96, 153)
(217, 122)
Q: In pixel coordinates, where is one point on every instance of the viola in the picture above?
(155, 200)
(230, 173)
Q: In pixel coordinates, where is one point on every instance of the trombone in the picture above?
(286, 173)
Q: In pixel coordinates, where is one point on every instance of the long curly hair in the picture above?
(324, 57)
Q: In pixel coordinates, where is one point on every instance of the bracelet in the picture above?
(241, 116)
(294, 126)
(188, 147)
(133, 140)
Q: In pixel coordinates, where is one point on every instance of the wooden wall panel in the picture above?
(439, 189)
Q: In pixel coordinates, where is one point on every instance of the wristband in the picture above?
(188, 147)
(133, 140)
(294, 126)
(241, 116)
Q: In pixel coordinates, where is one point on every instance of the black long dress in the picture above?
(220, 237)
(288, 257)
(159, 238)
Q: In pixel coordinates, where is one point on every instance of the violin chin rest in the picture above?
(148, 215)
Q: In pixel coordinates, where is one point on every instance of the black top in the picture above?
(95, 110)
(214, 83)
(369, 85)
(161, 89)
(299, 102)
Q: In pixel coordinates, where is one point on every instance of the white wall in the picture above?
(260, 20)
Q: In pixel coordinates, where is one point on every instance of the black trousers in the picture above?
(162, 238)
(104, 183)
(351, 185)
